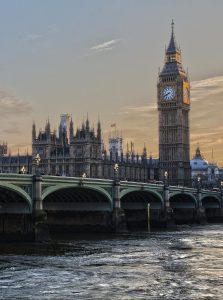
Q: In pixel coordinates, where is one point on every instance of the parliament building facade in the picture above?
(80, 154)
(83, 154)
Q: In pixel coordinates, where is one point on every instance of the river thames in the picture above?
(186, 263)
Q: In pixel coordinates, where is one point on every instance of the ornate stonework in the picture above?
(83, 153)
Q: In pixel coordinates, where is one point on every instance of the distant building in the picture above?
(14, 163)
(3, 149)
(209, 174)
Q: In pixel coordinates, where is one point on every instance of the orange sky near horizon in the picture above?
(140, 123)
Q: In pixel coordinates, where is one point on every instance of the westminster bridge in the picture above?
(34, 204)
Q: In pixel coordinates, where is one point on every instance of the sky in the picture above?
(101, 58)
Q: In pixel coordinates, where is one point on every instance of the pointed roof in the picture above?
(198, 153)
(172, 48)
(198, 163)
(47, 127)
(99, 123)
(173, 64)
(87, 123)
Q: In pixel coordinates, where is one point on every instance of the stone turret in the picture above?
(47, 129)
(34, 132)
(71, 130)
(99, 130)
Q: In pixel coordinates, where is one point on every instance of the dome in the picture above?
(198, 163)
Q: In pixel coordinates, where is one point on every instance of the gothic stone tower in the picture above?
(174, 105)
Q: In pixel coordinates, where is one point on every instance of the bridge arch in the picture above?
(141, 198)
(184, 207)
(182, 200)
(10, 195)
(211, 201)
(135, 204)
(77, 198)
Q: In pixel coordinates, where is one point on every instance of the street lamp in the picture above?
(116, 168)
(166, 194)
(37, 161)
(23, 170)
(83, 176)
(165, 178)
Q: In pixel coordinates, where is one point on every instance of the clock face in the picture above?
(186, 92)
(186, 95)
(168, 93)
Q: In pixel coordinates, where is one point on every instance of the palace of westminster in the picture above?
(82, 152)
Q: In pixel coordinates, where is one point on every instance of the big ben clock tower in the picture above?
(174, 106)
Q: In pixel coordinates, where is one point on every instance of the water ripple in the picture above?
(182, 264)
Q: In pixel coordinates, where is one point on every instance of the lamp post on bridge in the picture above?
(118, 213)
(83, 176)
(40, 227)
(199, 191)
(116, 169)
(116, 190)
(37, 161)
(165, 179)
(166, 191)
(201, 213)
(23, 170)
(167, 209)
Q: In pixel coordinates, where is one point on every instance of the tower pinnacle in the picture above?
(172, 48)
(173, 64)
(172, 26)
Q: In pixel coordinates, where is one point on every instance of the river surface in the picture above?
(183, 264)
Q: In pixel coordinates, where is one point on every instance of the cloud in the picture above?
(106, 46)
(12, 130)
(206, 87)
(139, 111)
(35, 36)
(10, 105)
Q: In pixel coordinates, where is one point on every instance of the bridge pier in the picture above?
(40, 227)
(168, 211)
(148, 216)
(118, 214)
(200, 210)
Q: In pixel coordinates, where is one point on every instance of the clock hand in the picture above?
(166, 94)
